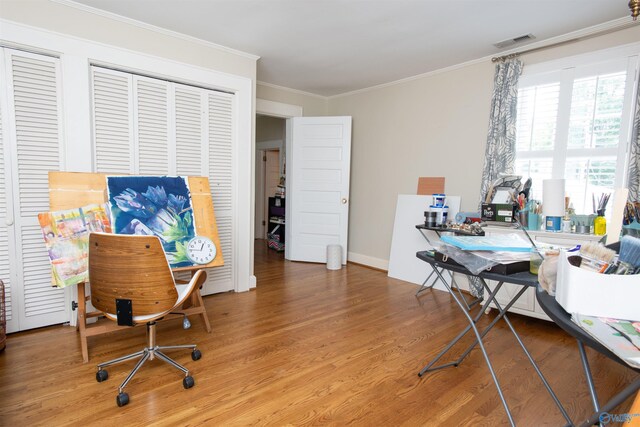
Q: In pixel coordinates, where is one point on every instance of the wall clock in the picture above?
(201, 250)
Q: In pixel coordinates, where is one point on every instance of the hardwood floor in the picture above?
(309, 346)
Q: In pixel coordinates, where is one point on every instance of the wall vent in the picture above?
(513, 41)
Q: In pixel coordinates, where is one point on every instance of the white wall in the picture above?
(270, 128)
(435, 125)
(312, 105)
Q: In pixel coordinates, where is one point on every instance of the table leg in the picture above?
(453, 342)
(537, 369)
(472, 323)
(82, 321)
(454, 285)
(200, 303)
(587, 373)
(615, 401)
(500, 315)
(423, 287)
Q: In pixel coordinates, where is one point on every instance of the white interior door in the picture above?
(318, 163)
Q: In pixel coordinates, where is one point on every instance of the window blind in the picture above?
(570, 125)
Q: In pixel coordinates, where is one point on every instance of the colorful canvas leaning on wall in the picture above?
(66, 236)
(154, 205)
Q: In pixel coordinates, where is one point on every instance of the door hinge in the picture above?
(264, 158)
(264, 222)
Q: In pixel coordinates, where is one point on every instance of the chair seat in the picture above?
(183, 294)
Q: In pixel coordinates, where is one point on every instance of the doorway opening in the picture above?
(270, 203)
(272, 122)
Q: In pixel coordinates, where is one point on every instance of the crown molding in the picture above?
(288, 89)
(149, 27)
(411, 78)
(594, 31)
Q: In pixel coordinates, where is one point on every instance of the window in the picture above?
(574, 123)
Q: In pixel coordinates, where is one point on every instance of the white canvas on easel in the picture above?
(407, 240)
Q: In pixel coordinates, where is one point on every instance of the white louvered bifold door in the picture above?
(6, 217)
(152, 126)
(35, 145)
(149, 126)
(190, 130)
(112, 121)
(221, 135)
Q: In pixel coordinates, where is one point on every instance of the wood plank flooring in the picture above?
(309, 346)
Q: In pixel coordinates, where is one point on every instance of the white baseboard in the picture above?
(382, 264)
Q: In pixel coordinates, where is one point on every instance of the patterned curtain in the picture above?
(501, 140)
(634, 156)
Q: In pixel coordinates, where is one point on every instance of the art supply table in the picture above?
(523, 279)
(423, 229)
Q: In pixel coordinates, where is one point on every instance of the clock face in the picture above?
(201, 250)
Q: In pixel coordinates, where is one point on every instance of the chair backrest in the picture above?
(130, 267)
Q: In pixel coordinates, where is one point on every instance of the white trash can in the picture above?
(334, 257)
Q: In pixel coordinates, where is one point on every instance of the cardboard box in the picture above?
(498, 212)
(595, 294)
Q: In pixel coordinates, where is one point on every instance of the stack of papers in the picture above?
(622, 337)
(511, 242)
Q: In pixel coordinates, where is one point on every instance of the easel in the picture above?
(68, 190)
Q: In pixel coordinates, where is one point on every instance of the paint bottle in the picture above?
(600, 224)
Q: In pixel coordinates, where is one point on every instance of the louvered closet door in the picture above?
(35, 145)
(6, 218)
(220, 118)
(190, 129)
(113, 121)
(151, 126)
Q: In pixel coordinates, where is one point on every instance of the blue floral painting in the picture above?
(154, 205)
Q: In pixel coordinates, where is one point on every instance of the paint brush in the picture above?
(629, 257)
(596, 257)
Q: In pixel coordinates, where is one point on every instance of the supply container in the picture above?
(595, 294)
(438, 199)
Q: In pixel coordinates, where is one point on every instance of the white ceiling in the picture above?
(328, 47)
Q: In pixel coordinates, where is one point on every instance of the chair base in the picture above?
(150, 352)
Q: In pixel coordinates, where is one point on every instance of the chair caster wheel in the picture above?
(102, 375)
(188, 382)
(122, 399)
(196, 355)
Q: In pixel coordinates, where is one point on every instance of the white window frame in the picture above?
(566, 70)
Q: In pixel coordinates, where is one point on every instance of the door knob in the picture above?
(344, 201)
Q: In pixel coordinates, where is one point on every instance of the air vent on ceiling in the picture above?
(513, 41)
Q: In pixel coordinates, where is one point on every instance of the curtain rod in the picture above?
(564, 42)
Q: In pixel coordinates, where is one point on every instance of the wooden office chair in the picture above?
(131, 283)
